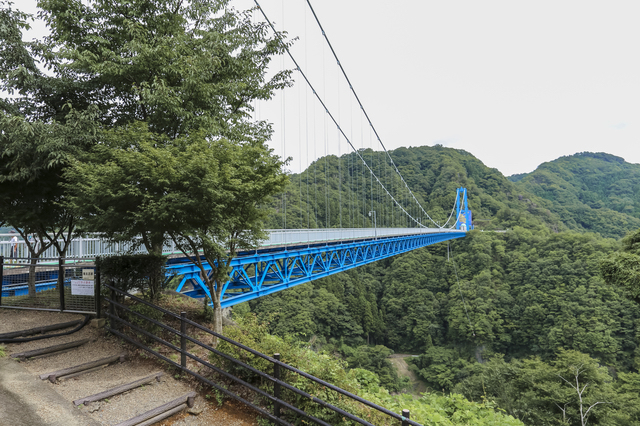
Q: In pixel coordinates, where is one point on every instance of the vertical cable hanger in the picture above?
(352, 171)
(339, 163)
(371, 175)
(301, 212)
(306, 126)
(328, 113)
(327, 223)
(284, 132)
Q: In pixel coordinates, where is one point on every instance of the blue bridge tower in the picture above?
(464, 220)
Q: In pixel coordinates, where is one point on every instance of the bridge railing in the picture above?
(80, 247)
(278, 237)
(280, 409)
(91, 246)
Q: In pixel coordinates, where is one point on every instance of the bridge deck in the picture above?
(90, 247)
(271, 269)
(287, 258)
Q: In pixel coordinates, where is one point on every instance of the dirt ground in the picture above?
(31, 400)
(400, 361)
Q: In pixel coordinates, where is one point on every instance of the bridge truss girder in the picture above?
(270, 271)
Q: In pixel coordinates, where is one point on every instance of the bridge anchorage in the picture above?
(306, 257)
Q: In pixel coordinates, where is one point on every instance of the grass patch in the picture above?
(2, 353)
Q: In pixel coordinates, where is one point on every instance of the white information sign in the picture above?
(82, 288)
(87, 274)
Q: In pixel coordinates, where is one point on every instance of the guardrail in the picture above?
(92, 246)
(282, 409)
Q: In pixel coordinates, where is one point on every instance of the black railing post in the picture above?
(276, 386)
(1, 276)
(61, 282)
(406, 415)
(97, 289)
(183, 339)
(112, 307)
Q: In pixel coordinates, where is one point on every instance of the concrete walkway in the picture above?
(25, 400)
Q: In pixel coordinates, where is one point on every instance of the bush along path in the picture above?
(90, 378)
(429, 409)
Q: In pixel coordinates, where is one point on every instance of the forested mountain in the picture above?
(335, 192)
(589, 191)
(594, 192)
(515, 317)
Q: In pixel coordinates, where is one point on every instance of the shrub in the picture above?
(430, 409)
(134, 272)
(143, 323)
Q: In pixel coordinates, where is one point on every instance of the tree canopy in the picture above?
(142, 125)
(597, 192)
(622, 268)
(515, 311)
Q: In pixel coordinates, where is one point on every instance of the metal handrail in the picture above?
(276, 380)
(91, 245)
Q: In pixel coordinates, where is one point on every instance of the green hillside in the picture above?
(596, 192)
(501, 317)
(335, 192)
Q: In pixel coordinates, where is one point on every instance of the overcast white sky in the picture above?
(515, 83)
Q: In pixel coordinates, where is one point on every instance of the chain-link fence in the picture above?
(55, 284)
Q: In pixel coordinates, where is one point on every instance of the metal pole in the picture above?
(112, 308)
(276, 386)
(1, 276)
(61, 281)
(97, 289)
(183, 340)
(405, 416)
(375, 225)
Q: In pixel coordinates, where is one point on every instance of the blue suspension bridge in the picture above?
(293, 257)
(383, 216)
(312, 254)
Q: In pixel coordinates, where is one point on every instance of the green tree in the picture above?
(35, 156)
(439, 368)
(207, 196)
(174, 83)
(41, 134)
(231, 217)
(572, 389)
(182, 69)
(622, 268)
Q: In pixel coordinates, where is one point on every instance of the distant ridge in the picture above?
(592, 191)
(595, 192)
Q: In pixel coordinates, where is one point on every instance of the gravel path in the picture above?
(28, 401)
(417, 386)
(120, 407)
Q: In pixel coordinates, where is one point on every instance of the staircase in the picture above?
(98, 376)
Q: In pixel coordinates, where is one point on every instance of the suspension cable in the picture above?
(277, 34)
(324, 34)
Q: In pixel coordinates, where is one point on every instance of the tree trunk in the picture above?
(217, 317)
(156, 279)
(31, 283)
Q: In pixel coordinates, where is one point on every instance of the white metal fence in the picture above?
(279, 237)
(90, 247)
